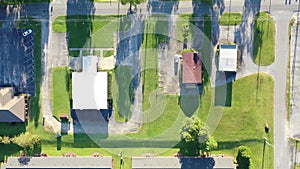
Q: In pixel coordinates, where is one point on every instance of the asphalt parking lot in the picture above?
(17, 60)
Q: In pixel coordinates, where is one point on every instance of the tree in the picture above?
(210, 144)
(244, 157)
(25, 140)
(194, 133)
(131, 2)
(185, 30)
(193, 130)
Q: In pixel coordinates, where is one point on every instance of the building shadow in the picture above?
(83, 21)
(12, 129)
(189, 98)
(89, 125)
(223, 92)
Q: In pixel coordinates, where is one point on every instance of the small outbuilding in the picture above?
(228, 58)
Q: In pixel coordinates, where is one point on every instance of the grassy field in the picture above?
(80, 27)
(232, 18)
(243, 122)
(264, 39)
(60, 91)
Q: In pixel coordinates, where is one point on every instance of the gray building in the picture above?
(58, 162)
(12, 108)
(182, 163)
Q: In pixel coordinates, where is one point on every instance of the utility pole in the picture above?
(295, 161)
(121, 160)
(263, 160)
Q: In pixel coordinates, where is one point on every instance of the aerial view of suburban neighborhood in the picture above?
(140, 84)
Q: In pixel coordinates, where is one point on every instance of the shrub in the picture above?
(244, 157)
(5, 140)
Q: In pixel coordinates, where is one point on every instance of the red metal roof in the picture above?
(191, 68)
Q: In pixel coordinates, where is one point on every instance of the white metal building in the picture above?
(228, 58)
(89, 87)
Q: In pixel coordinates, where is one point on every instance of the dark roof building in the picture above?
(182, 163)
(191, 68)
(12, 108)
(58, 162)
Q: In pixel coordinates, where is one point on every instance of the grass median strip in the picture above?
(230, 18)
(264, 39)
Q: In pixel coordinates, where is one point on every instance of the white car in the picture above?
(29, 31)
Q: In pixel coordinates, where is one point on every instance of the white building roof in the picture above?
(89, 90)
(58, 162)
(89, 64)
(228, 58)
(89, 87)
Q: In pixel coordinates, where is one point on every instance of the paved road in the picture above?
(282, 150)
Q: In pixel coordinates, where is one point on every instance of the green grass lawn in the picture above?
(191, 20)
(108, 53)
(60, 91)
(232, 18)
(264, 39)
(80, 27)
(121, 93)
(243, 122)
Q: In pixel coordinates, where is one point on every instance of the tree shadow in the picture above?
(251, 8)
(123, 91)
(12, 129)
(129, 42)
(225, 145)
(8, 150)
(166, 7)
(82, 23)
(189, 149)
